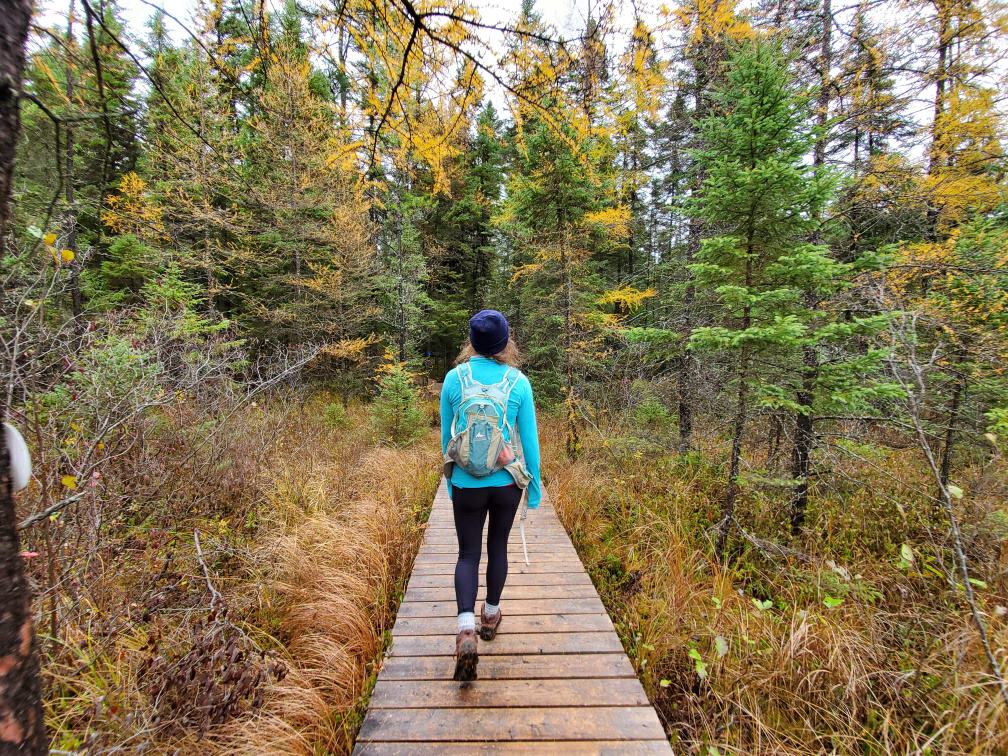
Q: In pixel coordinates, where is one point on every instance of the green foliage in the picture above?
(652, 413)
(396, 414)
(335, 415)
(129, 265)
(766, 199)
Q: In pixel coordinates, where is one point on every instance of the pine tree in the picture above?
(460, 237)
(401, 280)
(762, 198)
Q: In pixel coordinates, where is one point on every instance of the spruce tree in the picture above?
(762, 199)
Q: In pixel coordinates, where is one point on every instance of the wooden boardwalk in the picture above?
(555, 680)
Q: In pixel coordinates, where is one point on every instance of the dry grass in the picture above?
(895, 668)
(344, 535)
(309, 533)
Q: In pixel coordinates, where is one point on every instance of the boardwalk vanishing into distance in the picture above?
(555, 680)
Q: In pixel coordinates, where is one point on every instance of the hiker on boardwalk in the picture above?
(491, 451)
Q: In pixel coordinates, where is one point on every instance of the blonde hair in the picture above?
(509, 355)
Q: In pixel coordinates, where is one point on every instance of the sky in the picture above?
(565, 15)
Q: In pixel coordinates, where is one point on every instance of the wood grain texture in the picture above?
(555, 679)
(554, 592)
(514, 643)
(524, 748)
(422, 694)
(526, 723)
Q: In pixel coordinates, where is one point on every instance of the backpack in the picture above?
(482, 441)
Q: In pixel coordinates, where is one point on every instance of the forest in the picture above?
(754, 254)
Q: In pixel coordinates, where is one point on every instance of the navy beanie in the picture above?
(488, 332)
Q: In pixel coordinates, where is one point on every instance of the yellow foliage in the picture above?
(526, 270)
(937, 280)
(350, 349)
(627, 297)
(702, 19)
(615, 220)
(132, 212)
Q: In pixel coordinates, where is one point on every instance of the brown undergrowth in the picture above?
(266, 639)
(345, 525)
(838, 644)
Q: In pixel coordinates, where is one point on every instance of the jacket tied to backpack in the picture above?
(482, 440)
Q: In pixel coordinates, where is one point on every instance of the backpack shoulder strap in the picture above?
(509, 381)
(463, 378)
(511, 378)
(465, 374)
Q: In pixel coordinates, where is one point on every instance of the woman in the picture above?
(488, 363)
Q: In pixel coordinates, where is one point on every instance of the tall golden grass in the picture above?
(895, 668)
(310, 547)
(342, 528)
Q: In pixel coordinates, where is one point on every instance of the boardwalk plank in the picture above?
(512, 643)
(515, 607)
(525, 748)
(553, 623)
(567, 723)
(540, 566)
(555, 680)
(422, 694)
(514, 548)
(512, 592)
(517, 667)
(447, 579)
(515, 561)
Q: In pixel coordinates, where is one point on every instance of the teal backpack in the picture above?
(482, 440)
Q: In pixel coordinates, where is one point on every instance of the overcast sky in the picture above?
(565, 15)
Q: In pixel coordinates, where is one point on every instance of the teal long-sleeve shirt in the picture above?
(520, 415)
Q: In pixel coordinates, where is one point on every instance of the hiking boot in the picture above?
(489, 625)
(466, 657)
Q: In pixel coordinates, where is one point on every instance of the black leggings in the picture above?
(471, 506)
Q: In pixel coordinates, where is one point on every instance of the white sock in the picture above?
(489, 609)
(466, 621)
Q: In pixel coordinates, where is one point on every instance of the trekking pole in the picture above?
(521, 522)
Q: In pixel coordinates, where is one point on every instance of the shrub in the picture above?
(335, 415)
(651, 413)
(396, 413)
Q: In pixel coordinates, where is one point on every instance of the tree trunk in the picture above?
(70, 222)
(686, 378)
(741, 410)
(804, 434)
(22, 727)
(403, 325)
(945, 469)
(941, 81)
(935, 157)
(573, 440)
(804, 439)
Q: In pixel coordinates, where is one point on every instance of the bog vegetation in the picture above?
(756, 255)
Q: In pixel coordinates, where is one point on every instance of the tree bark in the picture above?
(22, 727)
(935, 156)
(804, 439)
(804, 432)
(687, 376)
(70, 222)
(741, 410)
(945, 467)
